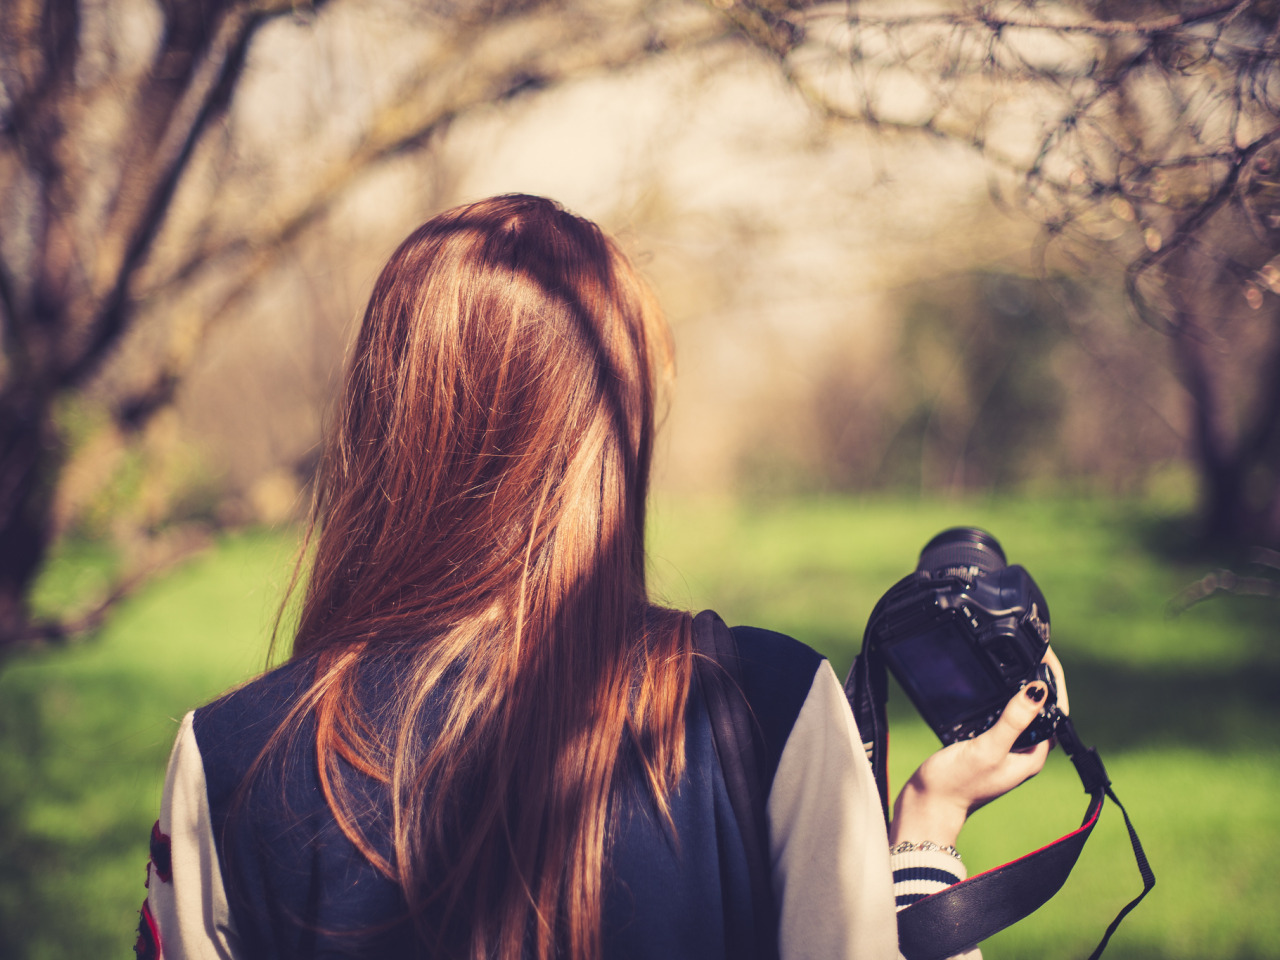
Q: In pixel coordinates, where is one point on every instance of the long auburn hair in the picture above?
(480, 514)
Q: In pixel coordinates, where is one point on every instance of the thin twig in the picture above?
(1220, 581)
(1097, 28)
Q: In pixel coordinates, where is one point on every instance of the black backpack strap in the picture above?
(740, 752)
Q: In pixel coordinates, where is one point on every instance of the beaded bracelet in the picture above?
(924, 846)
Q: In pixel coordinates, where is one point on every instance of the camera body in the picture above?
(963, 634)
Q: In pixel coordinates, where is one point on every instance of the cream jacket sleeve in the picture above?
(833, 881)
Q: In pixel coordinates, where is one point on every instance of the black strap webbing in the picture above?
(959, 917)
(740, 751)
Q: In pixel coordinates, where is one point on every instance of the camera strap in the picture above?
(957, 918)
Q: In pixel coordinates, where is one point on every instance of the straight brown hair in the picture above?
(480, 514)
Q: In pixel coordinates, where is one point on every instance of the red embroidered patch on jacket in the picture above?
(147, 946)
(161, 854)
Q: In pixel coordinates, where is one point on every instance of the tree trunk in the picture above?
(1237, 454)
(30, 454)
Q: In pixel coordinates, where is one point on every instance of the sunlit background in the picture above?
(924, 264)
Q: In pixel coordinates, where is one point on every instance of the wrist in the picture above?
(924, 846)
(921, 816)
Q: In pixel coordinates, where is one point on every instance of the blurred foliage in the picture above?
(76, 578)
(1144, 131)
(990, 380)
(985, 403)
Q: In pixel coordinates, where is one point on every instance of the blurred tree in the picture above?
(123, 189)
(80, 216)
(985, 402)
(1149, 128)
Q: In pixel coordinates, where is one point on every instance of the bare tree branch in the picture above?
(84, 198)
(985, 17)
(165, 553)
(1220, 581)
(425, 107)
(1150, 130)
(147, 185)
(1190, 228)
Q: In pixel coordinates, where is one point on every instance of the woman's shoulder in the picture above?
(769, 649)
(232, 730)
(267, 697)
(777, 673)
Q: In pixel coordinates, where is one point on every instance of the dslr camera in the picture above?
(963, 634)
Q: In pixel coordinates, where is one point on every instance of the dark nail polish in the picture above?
(1035, 694)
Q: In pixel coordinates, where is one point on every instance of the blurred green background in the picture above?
(1182, 710)
(1011, 267)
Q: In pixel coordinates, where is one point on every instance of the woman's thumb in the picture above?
(1020, 711)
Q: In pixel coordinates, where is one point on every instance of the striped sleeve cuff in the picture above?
(919, 873)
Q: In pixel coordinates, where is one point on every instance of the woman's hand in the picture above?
(960, 778)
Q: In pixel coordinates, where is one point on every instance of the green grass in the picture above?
(1185, 712)
(85, 733)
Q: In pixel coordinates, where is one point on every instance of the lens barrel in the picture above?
(958, 550)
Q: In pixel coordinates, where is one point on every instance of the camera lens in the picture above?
(956, 552)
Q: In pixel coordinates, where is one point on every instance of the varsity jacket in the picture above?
(268, 875)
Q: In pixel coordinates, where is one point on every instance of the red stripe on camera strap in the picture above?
(957, 918)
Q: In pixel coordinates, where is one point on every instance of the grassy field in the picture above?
(1186, 713)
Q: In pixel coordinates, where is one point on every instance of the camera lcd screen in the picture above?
(943, 675)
